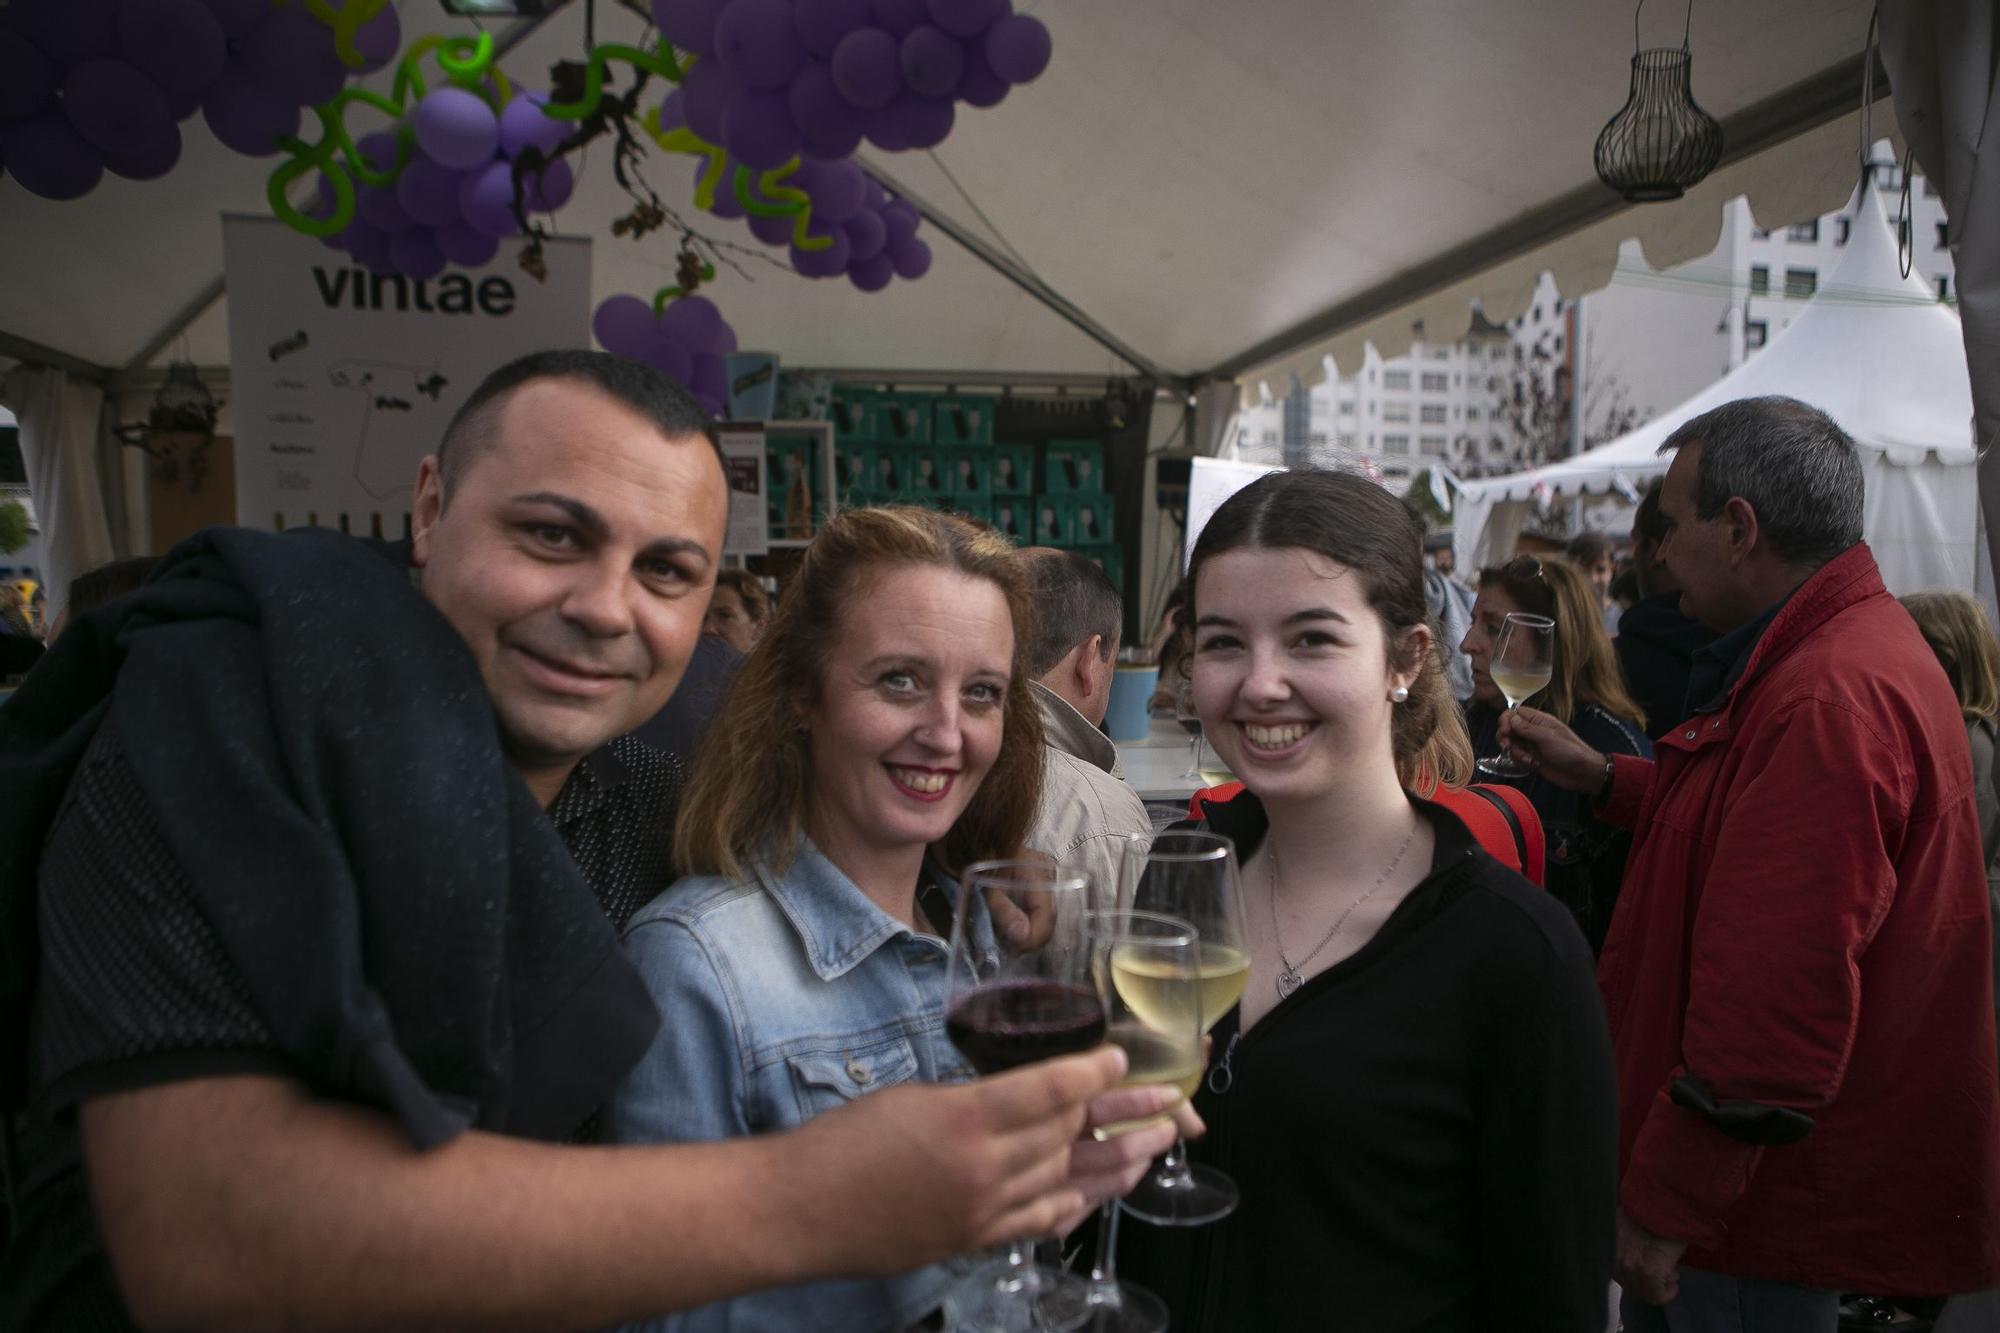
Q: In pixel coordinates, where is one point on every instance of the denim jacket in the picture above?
(784, 996)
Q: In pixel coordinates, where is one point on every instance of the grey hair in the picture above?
(1796, 468)
(1074, 599)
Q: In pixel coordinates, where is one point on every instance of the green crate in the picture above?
(854, 466)
(856, 413)
(904, 418)
(1014, 517)
(1055, 520)
(978, 507)
(1013, 469)
(967, 471)
(921, 471)
(962, 418)
(1096, 519)
(1073, 467)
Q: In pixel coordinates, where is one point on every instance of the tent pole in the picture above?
(30, 352)
(1006, 267)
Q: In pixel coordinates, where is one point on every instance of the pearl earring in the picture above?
(1400, 695)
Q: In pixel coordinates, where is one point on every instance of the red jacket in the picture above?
(1804, 924)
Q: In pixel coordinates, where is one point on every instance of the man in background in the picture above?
(1656, 641)
(1088, 810)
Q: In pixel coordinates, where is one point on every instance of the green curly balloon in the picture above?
(666, 294)
(660, 62)
(346, 19)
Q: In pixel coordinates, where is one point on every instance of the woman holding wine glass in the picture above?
(1581, 687)
(1415, 1095)
(879, 740)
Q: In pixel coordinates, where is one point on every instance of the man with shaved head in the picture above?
(308, 966)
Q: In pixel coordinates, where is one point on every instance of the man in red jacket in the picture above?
(1797, 975)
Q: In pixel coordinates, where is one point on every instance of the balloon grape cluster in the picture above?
(872, 238)
(686, 341)
(453, 200)
(90, 86)
(777, 78)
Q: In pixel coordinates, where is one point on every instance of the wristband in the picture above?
(1610, 771)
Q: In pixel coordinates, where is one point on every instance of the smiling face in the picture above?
(1489, 612)
(908, 719)
(1291, 671)
(574, 557)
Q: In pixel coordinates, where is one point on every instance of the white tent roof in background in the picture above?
(1873, 349)
(1199, 179)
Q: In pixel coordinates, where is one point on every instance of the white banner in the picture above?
(341, 381)
(749, 530)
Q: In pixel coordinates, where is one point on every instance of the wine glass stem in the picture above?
(1194, 754)
(1104, 1272)
(1174, 1167)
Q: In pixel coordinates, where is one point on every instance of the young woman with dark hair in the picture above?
(1415, 1093)
(1586, 858)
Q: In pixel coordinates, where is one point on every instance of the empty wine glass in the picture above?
(1005, 1006)
(1522, 662)
(1190, 720)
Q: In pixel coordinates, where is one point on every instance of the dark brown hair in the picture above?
(749, 590)
(1586, 669)
(1353, 522)
(748, 795)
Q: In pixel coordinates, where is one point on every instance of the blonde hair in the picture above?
(1586, 669)
(747, 796)
(1956, 628)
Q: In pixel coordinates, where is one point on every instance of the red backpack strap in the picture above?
(1199, 802)
(1524, 825)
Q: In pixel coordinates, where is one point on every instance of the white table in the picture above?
(1155, 766)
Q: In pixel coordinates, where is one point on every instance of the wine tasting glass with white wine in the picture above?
(1523, 660)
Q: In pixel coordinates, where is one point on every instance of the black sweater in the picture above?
(1424, 1134)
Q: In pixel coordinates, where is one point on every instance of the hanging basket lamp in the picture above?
(1660, 143)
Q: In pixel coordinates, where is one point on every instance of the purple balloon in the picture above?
(118, 109)
(979, 86)
(709, 378)
(837, 190)
(239, 18)
(886, 129)
(550, 188)
(1018, 48)
(899, 17)
(292, 53)
(925, 121)
(523, 125)
(379, 150)
(832, 150)
(378, 40)
(725, 342)
(456, 128)
(246, 116)
(867, 68)
(822, 23)
(49, 158)
(429, 193)
(487, 199)
(673, 112)
(27, 77)
(623, 325)
(705, 93)
(873, 274)
(965, 18)
(912, 261)
(873, 196)
(178, 44)
(818, 109)
(726, 204)
(664, 354)
(830, 262)
(771, 230)
(899, 222)
(381, 209)
(467, 246)
(152, 164)
(757, 130)
(756, 44)
(689, 24)
(69, 32)
(369, 247)
(866, 235)
(933, 61)
(694, 323)
(415, 254)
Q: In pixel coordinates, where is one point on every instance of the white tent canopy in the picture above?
(1876, 351)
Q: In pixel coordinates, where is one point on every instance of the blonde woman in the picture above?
(1586, 859)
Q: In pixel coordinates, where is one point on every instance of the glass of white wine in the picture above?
(1147, 967)
(1191, 875)
(1190, 720)
(1521, 665)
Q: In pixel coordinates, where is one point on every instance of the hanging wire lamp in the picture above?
(1660, 143)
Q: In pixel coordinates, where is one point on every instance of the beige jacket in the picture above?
(1088, 809)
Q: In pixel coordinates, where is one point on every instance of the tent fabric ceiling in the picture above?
(1196, 177)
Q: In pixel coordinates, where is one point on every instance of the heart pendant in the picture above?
(1288, 981)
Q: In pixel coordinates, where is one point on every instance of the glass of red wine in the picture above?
(1007, 1005)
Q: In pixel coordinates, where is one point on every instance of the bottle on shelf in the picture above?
(375, 525)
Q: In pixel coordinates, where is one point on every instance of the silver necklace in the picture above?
(1289, 979)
